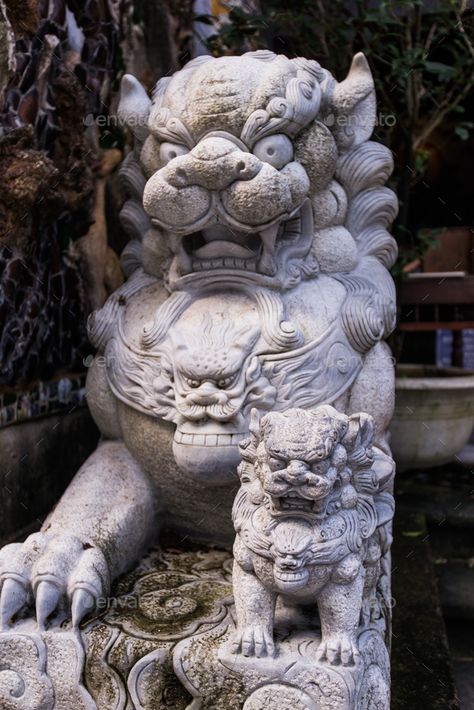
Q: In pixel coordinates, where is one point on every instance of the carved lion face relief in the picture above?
(225, 179)
(211, 363)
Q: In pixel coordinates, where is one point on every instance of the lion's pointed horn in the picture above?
(359, 66)
(353, 105)
(134, 106)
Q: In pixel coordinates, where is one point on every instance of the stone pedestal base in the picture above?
(161, 643)
(293, 680)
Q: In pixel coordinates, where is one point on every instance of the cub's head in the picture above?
(298, 460)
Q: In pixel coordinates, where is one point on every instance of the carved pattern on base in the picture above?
(42, 670)
(293, 680)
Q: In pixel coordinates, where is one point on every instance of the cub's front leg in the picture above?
(255, 608)
(340, 604)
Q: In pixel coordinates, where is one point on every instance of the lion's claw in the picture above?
(47, 569)
(337, 649)
(254, 640)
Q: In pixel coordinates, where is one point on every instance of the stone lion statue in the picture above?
(256, 278)
(311, 521)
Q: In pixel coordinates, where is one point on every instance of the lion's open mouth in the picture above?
(229, 249)
(295, 505)
(294, 502)
(218, 246)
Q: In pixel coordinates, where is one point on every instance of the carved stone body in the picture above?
(313, 523)
(257, 277)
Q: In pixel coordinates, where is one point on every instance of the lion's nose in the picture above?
(205, 394)
(297, 469)
(215, 163)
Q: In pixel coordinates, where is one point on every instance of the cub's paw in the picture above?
(50, 571)
(254, 640)
(338, 649)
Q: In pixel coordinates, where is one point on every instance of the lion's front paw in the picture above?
(51, 570)
(254, 640)
(338, 648)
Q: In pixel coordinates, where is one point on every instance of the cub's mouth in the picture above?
(295, 505)
(218, 246)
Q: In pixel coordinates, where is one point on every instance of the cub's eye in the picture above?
(276, 150)
(168, 151)
(277, 464)
(190, 382)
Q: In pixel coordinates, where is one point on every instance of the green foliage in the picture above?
(422, 59)
(235, 34)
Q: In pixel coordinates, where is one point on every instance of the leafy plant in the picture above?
(239, 33)
(422, 60)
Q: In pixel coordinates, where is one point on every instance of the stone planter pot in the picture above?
(434, 415)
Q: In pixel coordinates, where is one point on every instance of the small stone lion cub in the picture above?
(312, 518)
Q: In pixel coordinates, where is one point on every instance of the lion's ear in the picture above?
(353, 105)
(360, 431)
(134, 106)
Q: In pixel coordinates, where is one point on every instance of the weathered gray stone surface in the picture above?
(257, 278)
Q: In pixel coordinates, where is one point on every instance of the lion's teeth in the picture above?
(198, 439)
(184, 261)
(268, 237)
(267, 264)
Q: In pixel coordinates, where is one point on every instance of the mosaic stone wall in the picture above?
(60, 63)
(62, 394)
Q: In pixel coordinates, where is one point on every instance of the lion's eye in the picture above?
(276, 150)
(191, 383)
(320, 468)
(277, 464)
(168, 151)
